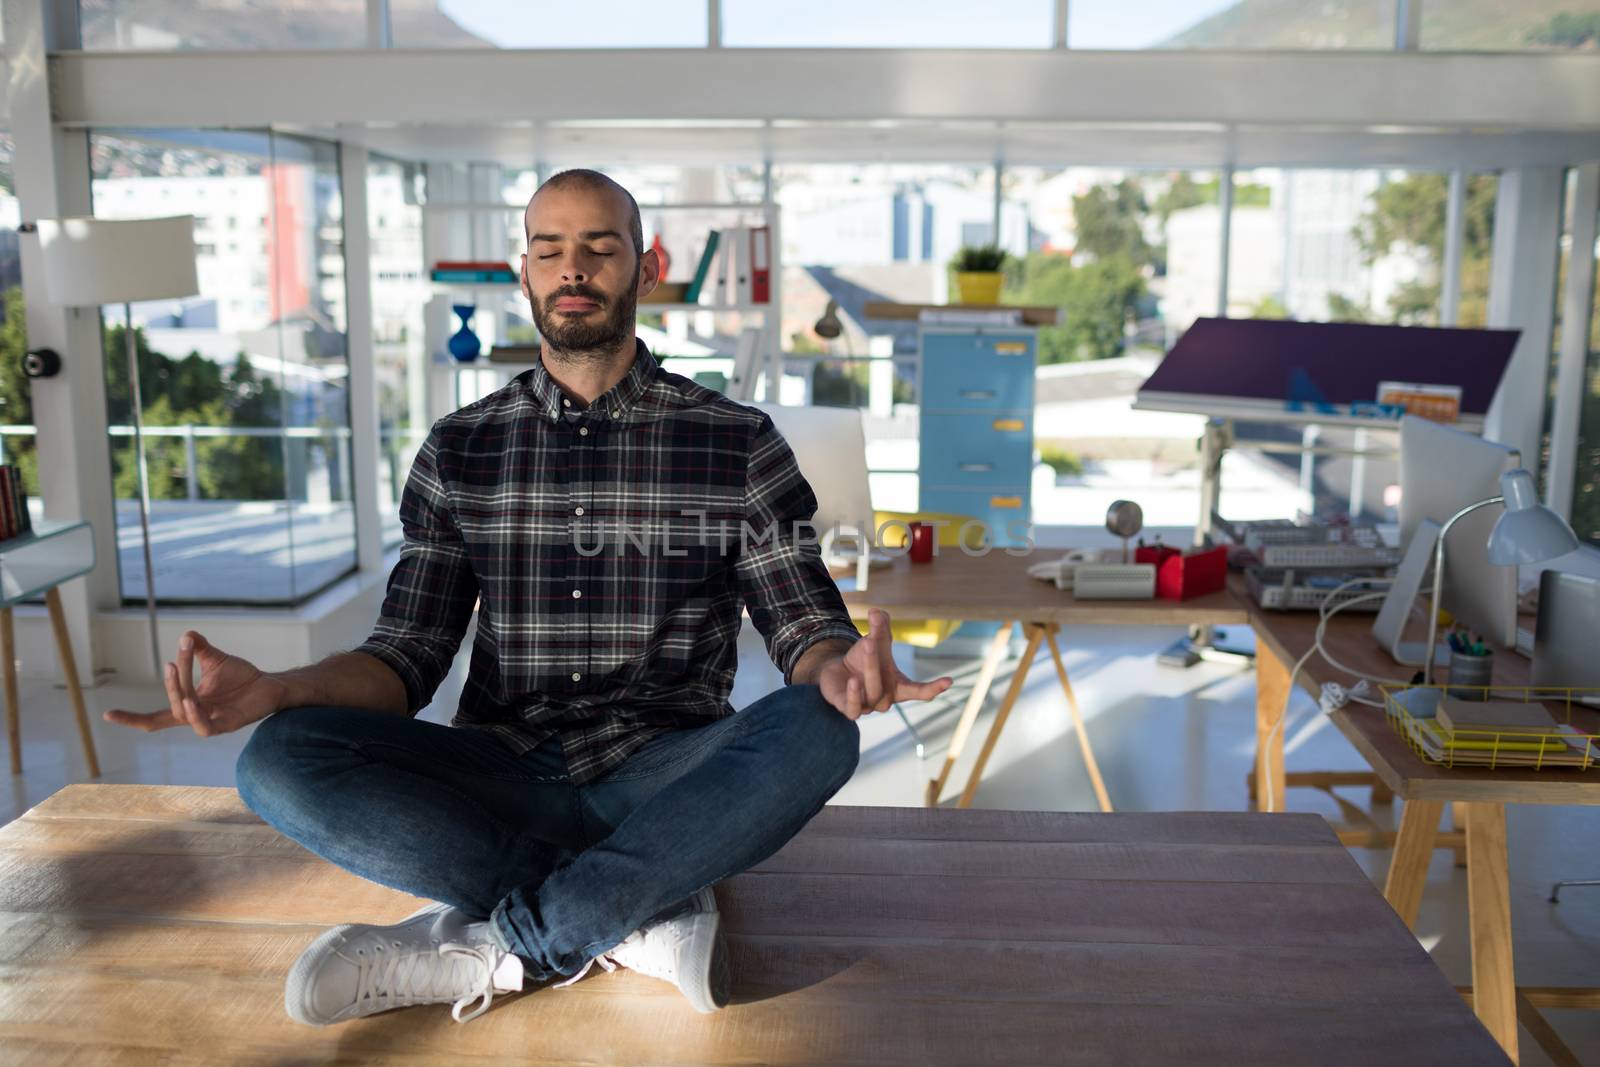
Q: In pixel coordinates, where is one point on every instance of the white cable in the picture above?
(1324, 613)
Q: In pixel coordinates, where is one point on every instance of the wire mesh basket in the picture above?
(1574, 744)
(1281, 591)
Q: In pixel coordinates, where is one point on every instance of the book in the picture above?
(692, 295)
(473, 264)
(498, 276)
(761, 265)
(1495, 716)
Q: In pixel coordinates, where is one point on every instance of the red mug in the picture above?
(921, 542)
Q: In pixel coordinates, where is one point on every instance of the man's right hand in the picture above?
(232, 692)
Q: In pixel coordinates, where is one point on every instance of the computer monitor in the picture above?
(1442, 471)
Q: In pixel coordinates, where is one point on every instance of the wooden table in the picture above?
(1479, 796)
(152, 923)
(996, 587)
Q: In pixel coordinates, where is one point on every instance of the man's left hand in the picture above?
(866, 679)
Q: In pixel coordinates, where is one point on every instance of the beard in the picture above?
(574, 338)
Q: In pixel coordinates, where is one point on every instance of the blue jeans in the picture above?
(563, 871)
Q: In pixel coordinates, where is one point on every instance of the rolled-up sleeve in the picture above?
(792, 600)
(432, 590)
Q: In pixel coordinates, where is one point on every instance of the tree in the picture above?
(1343, 309)
(1096, 300)
(1410, 214)
(16, 395)
(1269, 307)
(1568, 29)
(1109, 223)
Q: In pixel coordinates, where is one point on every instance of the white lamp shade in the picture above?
(90, 261)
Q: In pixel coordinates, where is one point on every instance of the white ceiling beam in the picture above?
(1044, 144)
(1544, 92)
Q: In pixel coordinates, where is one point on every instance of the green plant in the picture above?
(973, 258)
(1060, 460)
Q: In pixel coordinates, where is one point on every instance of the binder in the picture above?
(728, 267)
(761, 265)
(692, 294)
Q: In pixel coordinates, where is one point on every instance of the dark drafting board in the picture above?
(1285, 371)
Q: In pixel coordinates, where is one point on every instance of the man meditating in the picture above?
(608, 519)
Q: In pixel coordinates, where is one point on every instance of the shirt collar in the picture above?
(614, 402)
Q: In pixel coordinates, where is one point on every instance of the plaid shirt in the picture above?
(608, 604)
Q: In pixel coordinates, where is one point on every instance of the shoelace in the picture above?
(651, 951)
(398, 979)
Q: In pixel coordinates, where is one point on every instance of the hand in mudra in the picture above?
(866, 679)
(232, 692)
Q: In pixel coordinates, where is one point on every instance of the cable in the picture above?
(1342, 695)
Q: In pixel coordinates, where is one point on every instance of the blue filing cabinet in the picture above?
(976, 441)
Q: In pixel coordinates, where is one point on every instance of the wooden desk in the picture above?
(997, 588)
(1479, 795)
(150, 923)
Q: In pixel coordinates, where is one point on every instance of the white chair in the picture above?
(830, 445)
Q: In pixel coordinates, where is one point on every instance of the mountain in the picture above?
(1501, 25)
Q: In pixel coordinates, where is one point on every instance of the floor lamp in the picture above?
(90, 262)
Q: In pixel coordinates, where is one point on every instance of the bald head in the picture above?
(592, 182)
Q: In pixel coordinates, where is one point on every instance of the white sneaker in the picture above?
(433, 956)
(686, 950)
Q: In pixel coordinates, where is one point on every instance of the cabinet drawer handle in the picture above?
(977, 394)
(976, 467)
(1008, 424)
(1010, 348)
(1005, 502)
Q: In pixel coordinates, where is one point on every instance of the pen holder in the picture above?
(1470, 676)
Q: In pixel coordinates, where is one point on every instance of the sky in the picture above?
(825, 23)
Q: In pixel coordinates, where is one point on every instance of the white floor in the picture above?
(1166, 740)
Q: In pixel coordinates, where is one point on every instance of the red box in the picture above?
(1180, 576)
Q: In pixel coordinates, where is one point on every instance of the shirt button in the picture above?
(576, 593)
(583, 431)
(565, 402)
(616, 414)
(576, 676)
(578, 510)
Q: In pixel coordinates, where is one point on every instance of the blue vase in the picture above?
(464, 343)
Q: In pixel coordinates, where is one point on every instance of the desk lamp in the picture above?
(1528, 532)
(89, 262)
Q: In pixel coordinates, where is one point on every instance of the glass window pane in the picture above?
(1527, 25)
(400, 291)
(242, 385)
(859, 233)
(160, 25)
(547, 24)
(1353, 245)
(1232, 24)
(17, 445)
(886, 24)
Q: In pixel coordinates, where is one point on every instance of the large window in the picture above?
(17, 445)
(1233, 24)
(1354, 246)
(244, 387)
(157, 25)
(1541, 25)
(886, 24)
(1129, 256)
(547, 24)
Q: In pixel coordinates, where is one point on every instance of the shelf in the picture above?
(53, 553)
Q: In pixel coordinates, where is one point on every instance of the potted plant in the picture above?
(978, 273)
